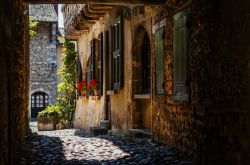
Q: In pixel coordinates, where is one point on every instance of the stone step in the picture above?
(98, 130)
(105, 123)
(140, 133)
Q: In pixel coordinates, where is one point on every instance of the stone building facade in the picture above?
(163, 69)
(211, 124)
(43, 59)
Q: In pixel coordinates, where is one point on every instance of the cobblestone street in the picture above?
(76, 147)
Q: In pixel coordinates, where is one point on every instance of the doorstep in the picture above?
(140, 133)
(98, 130)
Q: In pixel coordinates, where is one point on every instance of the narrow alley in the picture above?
(96, 73)
(77, 147)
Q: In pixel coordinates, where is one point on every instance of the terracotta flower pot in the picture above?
(95, 92)
(83, 93)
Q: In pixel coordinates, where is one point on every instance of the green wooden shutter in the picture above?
(109, 58)
(181, 33)
(92, 65)
(159, 61)
(117, 54)
(88, 73)
(100, 63)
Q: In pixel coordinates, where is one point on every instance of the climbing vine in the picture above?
(32, 26)
(67, 72)
(65, 106)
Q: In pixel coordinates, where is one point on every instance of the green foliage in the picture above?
(67, 72)
(66, 89)
(32, 26)
(55, 110)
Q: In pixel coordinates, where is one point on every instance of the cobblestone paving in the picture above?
(76, 147)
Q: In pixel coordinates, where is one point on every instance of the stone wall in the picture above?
(212, 126)
(43, 52)
(13, 78)
(43, 62)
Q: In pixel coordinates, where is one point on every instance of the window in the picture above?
(78, 74)
(109, 59)
(159, 60)
(117, 54)
(90, 73)
(145, 59)
(181, 35)
(53, 32)
(100, 63)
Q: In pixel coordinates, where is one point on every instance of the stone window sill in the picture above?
(142, 96)
(95, 97)
(112, 92)
(84, 97)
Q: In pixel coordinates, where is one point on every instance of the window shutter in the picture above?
(180, 54)
(159, 60)
(117, 54)
(109, 58)
(100, 63)
(88, 73)
(92, 65)
(79, 72)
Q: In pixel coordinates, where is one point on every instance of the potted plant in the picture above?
(49, 118)
(82, 87)
(92, 88)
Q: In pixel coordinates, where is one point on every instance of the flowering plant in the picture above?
(92, 86)
(84, 86)
(81, 86)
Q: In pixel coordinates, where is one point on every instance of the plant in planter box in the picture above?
(92, 88)
(81, 86)
(54, 110)
(49, 118)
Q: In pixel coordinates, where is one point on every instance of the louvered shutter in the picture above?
(92, 65)
(88, 73)
(100, 63)
(117, 54)
(181, 33)
(159, 60)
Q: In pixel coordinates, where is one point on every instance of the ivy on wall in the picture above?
(67, 72)
(32, 26)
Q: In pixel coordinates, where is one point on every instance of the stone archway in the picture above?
(141, 79)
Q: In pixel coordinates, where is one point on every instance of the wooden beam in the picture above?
(105, 2)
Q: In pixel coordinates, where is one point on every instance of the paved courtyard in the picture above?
(77, 147)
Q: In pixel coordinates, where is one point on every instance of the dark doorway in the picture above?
(39, 101)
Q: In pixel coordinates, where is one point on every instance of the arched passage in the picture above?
(141, 76)
(141, 61)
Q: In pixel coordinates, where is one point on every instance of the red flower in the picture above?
(92, 86)
(79, 86)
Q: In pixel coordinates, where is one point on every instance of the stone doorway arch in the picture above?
(141, 79)
(39, 101)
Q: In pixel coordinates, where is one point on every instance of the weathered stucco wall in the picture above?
(89, 111)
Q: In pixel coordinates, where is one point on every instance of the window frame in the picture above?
(181, 25)
(117, 53)
(157, 36)
(100, 64)
(146, 65)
